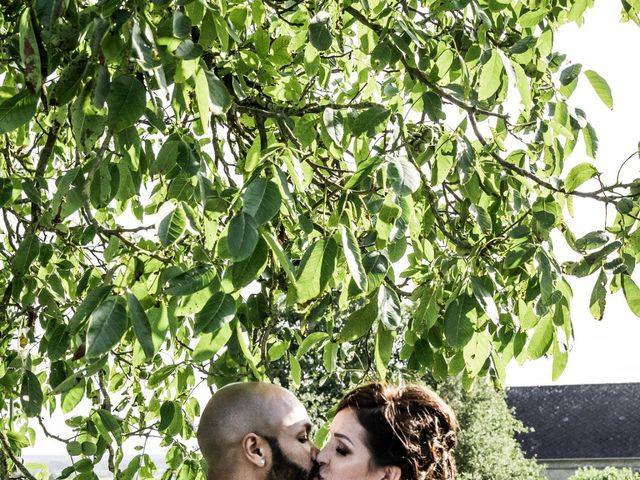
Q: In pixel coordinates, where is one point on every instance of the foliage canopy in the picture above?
(177, 175)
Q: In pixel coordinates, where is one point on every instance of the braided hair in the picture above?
(407, 426)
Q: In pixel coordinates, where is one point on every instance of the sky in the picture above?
(604, 351)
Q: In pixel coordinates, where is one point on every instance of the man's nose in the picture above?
(314, 452)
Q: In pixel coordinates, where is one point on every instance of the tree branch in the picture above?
(45, 155)
(7, 448)
(419, 74)
(526, 173)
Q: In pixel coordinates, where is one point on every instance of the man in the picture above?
(256, 431)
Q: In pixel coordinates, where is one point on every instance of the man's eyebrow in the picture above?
(342, 436)
(306, 426)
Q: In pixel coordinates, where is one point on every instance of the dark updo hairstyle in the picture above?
(407, 426)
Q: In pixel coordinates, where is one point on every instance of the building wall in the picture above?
(563, 469)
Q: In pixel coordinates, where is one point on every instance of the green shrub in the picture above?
(609, 473)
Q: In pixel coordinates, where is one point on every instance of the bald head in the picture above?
(238, 409)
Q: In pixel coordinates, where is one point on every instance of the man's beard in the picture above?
(284, 469)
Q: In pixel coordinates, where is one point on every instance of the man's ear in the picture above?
(392, 472)
(254, 449)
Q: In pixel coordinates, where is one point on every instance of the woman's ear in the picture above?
(392, 472)
(254, 449)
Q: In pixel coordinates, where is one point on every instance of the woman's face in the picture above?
(346, 456)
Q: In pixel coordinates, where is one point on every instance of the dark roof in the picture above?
(579, 421)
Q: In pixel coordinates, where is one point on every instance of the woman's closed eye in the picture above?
(342, 451)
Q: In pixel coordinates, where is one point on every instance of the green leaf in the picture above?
(601, 87)
(31, 394)
(296, 370)
(330, 356)
(459, 321)
(187, 50)
(354, 260)
(540, 342)
(631, 294)
(126, 102)
(359, 322)
(490, 76)
(369, 119)
(403, 176)
(383, 349)
(25, 255)
(88, 305)
(319, 33)
(167, 157)
(58, 343)
(376, 264)
(522, 84)
(577, 11)
(106, 422)
(17, 111)
(210, 343)
(167, 414)
(219, 310)
(70, 81)
(261, 199)
(570, 73)
(475, 352)
(202, 96)
(181, 25)
(532, 18)
(282, 257)
(592, 240)
(30, 52)
(482, 217)
(191, 281)
(172, 227)
(518, 255)
(483, 290)
(578, 175)
(141, 325)
(218, 94)
(381, 56)
(334, 123)
(389, 312)
(73, 394)
(432, 106)
(316, 269)
(160, 375)
(309, 341)
(599, 296)
(590, 140)
(243, 236)
(244, 272)
(560, 359)
(107, 325)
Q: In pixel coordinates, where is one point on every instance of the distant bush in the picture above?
(609, 473)
(487, 447)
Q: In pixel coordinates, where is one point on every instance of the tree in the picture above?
(163, 158)
(487, 448)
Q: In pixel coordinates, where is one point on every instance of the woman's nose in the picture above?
(321, 456)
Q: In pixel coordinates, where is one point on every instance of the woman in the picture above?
(389, 432)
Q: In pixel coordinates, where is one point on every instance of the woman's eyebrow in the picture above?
(342, 436)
